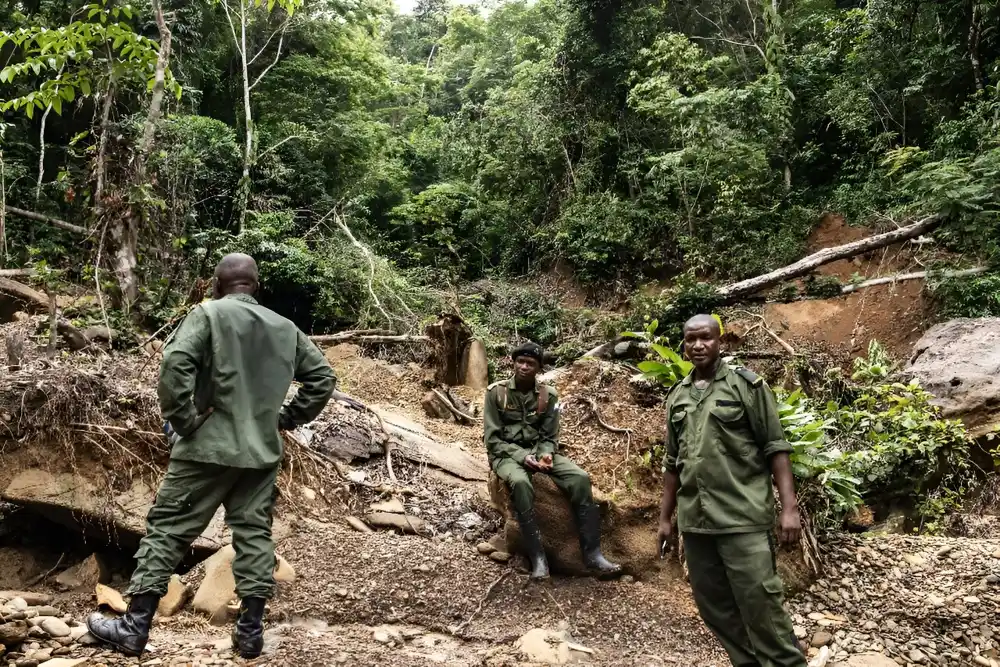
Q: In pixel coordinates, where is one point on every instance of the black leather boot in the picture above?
(588, 523)
(129, 633)
(248, 635)
(531, 542)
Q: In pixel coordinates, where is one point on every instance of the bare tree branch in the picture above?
(55, 222)
(277, 57)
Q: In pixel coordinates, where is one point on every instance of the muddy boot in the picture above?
(588, 522)
(531, 543)
(129, 633)
(248, 635)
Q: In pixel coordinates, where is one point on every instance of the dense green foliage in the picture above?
(875, 442)
(631, 141)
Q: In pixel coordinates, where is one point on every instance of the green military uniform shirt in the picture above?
(719, 441)
(239, 358)
(516, 429)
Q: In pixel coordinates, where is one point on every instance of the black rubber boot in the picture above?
(129, 633)
(588, 523)
(531, 542)
(248, 635)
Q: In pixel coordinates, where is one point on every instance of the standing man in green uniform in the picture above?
(223, 383)
(521, 419)
(724, 445)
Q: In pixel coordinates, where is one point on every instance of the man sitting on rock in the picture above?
(223, 382)
(521, 419)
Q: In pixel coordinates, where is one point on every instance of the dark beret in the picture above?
(529, 349)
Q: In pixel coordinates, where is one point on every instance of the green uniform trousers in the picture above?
(739, 595)
(568, 476)
(188, 498)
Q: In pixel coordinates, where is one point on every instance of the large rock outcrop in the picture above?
(959, 362)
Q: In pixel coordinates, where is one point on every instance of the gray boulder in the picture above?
(959, 362)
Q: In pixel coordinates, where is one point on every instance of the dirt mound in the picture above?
(613, 459)
(893, 314)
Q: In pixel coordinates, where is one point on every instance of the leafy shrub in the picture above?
(822, 286)
(673, 307)
(827, 486)
(969, 296)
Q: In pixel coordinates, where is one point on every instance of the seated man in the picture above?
(521, 431)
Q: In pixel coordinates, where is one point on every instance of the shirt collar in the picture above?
(245, 298)
(720, 373)
(512, 385)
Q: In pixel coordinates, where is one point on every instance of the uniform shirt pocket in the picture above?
(731, 427)
(677, 427)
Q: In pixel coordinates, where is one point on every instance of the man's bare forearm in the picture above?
(781, 470)
(669, 502)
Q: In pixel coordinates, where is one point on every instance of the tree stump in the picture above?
(449, 337)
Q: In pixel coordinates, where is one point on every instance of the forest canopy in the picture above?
(373, 160)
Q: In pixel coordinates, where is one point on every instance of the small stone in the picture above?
(800, 632)
(342, 592)
(917, 656)
(500, 556)
(308, 494)
(65, 662)
(993, 579)
(821, 639)
(391, 506)
(914, 560)
(18, 604)
(13, 633)
(382, 637)
(970, 599)
(627, 579)
(54, 627)
(424, 567)
(28, 598)
(77, 633)
(485, 548)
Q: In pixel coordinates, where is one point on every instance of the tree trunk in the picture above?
(125, 231)
(124, 237)
(15, 350)
(974, 37)
(899, 277)
(370, 340)
(99, 168)
(26, 294)
(805, 265)
(159, 83)
(243, 190)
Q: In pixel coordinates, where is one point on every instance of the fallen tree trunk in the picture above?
(805, 265)
(15, 273)
(55, 222)
(917, 275)
(24, 293)
(348, 336)
(371, 340)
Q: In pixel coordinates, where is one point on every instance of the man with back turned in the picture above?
(223, 383)
(724, 445)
